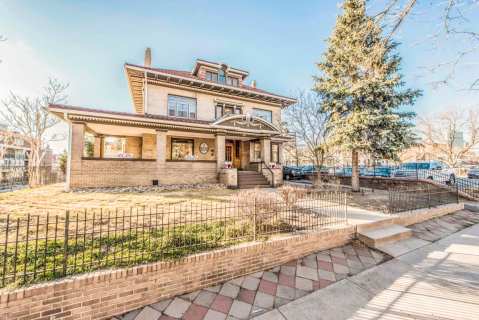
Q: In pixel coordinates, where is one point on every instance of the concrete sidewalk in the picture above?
(438, 281)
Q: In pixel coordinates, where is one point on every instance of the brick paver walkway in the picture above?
(438, 228)
(254, 294)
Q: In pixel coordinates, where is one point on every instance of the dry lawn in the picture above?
(54, 200)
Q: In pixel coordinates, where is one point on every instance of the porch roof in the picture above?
(155, 122)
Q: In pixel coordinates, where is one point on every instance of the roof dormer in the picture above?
(219, 73)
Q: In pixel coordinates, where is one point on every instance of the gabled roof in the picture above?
(137, 74)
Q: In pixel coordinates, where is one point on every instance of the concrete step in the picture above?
(401, 247)
(382, 236)
(252, 186)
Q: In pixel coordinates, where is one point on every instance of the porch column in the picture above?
(280, 153)
(75, 154)
(220, 151)
(97, 146)
(160, 152)
(266, 150)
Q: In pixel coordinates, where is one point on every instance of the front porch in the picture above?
(107, 155)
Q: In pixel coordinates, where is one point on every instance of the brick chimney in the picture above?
(148, 57)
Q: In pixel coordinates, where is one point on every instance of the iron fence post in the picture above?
(457, 192)
(254, 219)
(65, 244)
(417, 173)
(428, 196)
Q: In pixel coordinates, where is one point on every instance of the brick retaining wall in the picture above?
(104, 294)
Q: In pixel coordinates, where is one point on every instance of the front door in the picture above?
(233, 153)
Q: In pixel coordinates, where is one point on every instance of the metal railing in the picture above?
(12, 177)
(38, 248)
(263, 165)
(403, 199)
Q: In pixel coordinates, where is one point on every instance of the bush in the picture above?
(290, 195)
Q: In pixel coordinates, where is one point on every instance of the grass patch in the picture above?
(44, 260)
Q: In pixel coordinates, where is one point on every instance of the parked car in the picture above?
(473, 172)
(348, 171)
(290, 173)
(381, 171)
(308, 170)
(433, 170)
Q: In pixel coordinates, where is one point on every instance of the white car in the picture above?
(432, 170)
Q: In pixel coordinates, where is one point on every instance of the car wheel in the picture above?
(430, 178)
(288, 177)
(452, 179)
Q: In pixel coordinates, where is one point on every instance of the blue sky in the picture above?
(85, 44)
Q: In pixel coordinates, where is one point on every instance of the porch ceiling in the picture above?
(106, 129)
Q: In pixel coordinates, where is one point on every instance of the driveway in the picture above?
(437, 281)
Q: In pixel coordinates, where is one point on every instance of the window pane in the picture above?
(181, 107)
(214, 77)
(235, 82)
(208, 76)
(238, 110)
(263, 114)
(115, 147)
(182, 149)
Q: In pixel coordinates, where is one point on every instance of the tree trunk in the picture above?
(355, 171)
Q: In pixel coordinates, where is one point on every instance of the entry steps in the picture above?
(394, 240)
(252, 179)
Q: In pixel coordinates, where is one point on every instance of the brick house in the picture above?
(201, 126)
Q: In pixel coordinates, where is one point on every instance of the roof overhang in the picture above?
(138, 75)
(79, 114)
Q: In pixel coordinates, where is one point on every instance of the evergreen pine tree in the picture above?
(360, 84)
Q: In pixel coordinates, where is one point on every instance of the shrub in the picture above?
(290, 195)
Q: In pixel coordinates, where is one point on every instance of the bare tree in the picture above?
(29, 117)
(310, 123)
(454, 24)
(451, 135)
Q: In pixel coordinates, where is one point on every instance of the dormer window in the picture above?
(232, 81)
(221, 77)
(211, 76)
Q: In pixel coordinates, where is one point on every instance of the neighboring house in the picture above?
(14, 149)
(198, 126)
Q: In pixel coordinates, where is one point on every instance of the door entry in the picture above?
(233, 153)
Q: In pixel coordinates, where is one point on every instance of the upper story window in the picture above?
(222, 109)
(263, 114)
(221, 77)
(182, 107)
(211, 76)
(232, 81)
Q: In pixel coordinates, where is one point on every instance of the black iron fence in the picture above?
(404, 199)
(38, 248)
(13, 177)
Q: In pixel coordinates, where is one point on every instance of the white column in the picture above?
(266, 150)
(280, 154)
(160, 152)
(220, 151)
